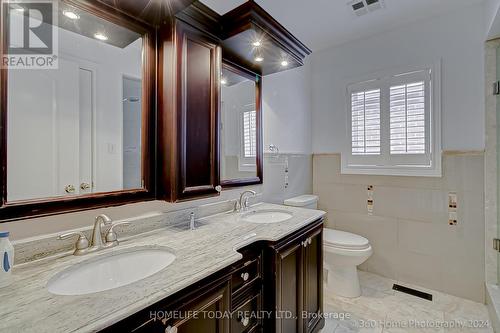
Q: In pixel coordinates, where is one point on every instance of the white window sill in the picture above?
(396, 171)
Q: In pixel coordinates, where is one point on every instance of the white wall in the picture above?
(457, 39)
(286, 103)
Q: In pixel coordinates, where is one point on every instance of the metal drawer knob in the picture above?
(171, 329)
(245, 276)
(245, 321)
(69, 189)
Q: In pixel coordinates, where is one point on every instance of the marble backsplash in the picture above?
(42, 246)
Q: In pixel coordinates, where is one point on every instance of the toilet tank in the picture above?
(305, 201)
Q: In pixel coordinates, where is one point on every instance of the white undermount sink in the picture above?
(110, 272)
(266, 216)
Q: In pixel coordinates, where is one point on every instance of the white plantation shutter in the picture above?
(365, 113)
(249, 133)
(407, 117)
(395, 125)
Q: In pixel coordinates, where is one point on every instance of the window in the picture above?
(394, 125)
(248, 138)
(249, 134)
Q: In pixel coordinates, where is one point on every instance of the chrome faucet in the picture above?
(96, 243)
(243, 204)
(83, 246)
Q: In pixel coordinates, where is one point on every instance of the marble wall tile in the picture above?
(409, 229)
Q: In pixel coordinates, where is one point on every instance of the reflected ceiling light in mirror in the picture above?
(259, 58)
(100, 36)
(71, 15)
(223, 81)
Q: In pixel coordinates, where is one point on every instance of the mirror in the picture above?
(78, 129)
(240, 127)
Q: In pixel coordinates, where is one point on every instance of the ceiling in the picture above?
(324, 23)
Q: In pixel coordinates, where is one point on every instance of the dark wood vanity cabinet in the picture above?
(196, 315)
(275, 287)
(188, 157)
(298, 282)
(186, 314)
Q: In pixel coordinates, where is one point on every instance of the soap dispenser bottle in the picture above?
(6, 259)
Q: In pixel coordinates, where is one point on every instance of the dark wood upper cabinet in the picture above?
(150, 12)
(188, 153)
(248, 24)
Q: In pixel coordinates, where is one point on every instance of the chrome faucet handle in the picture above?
(111, 236)
(81, 244)
(236, 206)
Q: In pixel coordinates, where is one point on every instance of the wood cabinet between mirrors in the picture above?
(136, 112)
(188, 141)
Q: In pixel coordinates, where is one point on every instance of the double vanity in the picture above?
(257, 270)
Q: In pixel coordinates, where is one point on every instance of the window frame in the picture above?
(396, 164)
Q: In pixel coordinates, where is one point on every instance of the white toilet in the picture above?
(343, 252)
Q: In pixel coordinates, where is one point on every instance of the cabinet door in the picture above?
(197, 112)
(209, 319)
(313, 280)
(289, 288)
(202, 314)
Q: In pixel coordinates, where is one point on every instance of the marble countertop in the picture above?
(27, 306)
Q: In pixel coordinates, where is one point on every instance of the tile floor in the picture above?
(382, 310)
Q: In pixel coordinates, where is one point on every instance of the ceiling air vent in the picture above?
(362, 7)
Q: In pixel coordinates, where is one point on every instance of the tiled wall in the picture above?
(409, 229)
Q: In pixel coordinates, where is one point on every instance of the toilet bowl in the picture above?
(343, 252)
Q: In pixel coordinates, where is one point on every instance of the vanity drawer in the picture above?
(245, 318)
(249, 272)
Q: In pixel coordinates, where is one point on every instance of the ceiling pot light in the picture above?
(71, 15)
(223, 81)
(284, 63)
(257, 43)
(259, 58)
(100, 36)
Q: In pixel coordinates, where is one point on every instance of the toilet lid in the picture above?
(344, 240)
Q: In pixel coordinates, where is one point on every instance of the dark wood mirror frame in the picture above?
(42, 207)
(231, 66)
